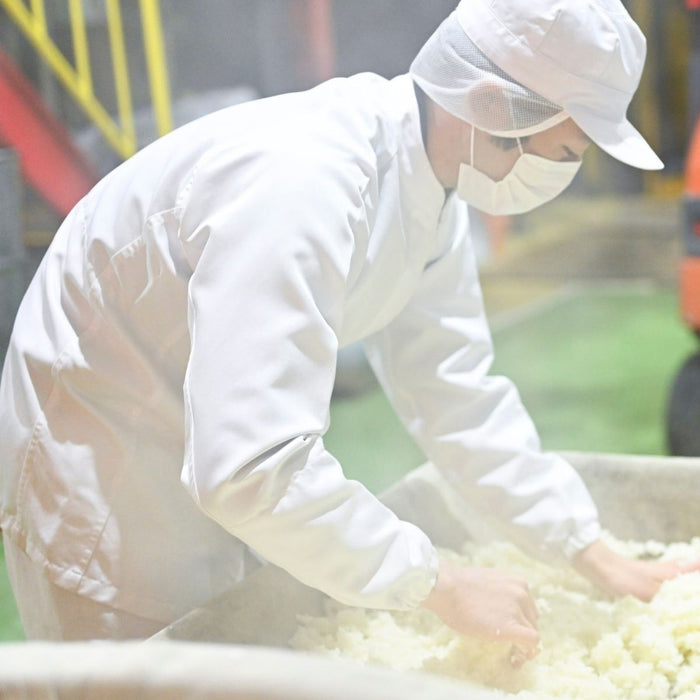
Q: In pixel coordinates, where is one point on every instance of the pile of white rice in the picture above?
(592, 647)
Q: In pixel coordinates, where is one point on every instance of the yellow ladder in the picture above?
(76, 76)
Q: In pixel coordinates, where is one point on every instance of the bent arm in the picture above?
(265, 300)
(434, 363)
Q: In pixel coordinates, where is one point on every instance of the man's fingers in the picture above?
(686, 566)
(529, 608)
(487, 604)
(521, 635)
(525, 644)
(519, 656)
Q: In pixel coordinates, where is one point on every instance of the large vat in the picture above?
(235, 646)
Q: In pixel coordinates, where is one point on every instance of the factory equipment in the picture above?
(683, 420)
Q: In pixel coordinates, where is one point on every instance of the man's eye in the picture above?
(570, 155)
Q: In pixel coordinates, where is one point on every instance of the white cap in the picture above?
(586, 56)
(456, 75)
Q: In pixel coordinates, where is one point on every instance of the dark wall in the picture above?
(384, 35)
(216, 46)
(220, 43)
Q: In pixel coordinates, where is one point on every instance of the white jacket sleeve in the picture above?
(433, 362)
(270, 244)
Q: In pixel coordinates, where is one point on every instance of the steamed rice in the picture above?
(592, 646)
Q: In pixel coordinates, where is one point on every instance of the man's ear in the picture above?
(488, 105)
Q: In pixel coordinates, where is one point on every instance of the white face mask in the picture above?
(532, 181)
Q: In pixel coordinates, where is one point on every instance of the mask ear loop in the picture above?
(471, 148)
(520, 145)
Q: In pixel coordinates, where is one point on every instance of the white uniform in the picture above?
(167, 385)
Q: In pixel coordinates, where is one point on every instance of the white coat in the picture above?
(167, 386)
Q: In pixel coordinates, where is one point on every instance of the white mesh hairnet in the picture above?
(456, 75)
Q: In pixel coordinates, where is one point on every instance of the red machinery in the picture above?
(690, 266)
(684, 405)
(49, 159)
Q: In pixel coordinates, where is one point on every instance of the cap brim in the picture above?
(621, 140)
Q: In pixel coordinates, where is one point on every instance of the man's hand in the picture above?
(617, 575)
(487, 604)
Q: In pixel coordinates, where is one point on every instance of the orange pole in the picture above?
(498, 230)
(690, 291)
(692, 164)
(313, 20)
(321, 38)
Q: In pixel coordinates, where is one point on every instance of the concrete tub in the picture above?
(235, 646)
(639, 498)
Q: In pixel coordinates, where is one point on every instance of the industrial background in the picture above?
(86, 83)
(100, 78)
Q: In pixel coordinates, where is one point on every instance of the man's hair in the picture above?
(506, 143)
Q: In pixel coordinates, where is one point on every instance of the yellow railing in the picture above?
(76, 74)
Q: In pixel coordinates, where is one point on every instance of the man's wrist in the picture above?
(596, 562)
(437, 596)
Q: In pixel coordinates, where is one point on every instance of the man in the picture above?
(167, 385)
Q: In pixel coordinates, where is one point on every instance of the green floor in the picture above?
(593, 367)
(10, 627)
